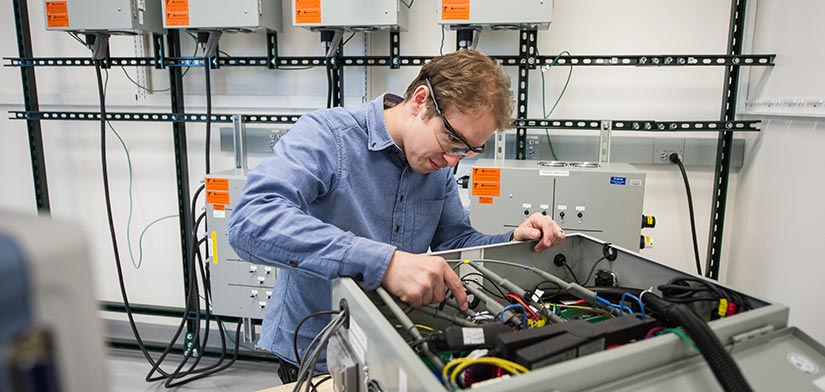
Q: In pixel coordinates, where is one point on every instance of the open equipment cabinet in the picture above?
(371, 351)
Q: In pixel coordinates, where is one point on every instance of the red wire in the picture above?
(530, 310)
(654, 330)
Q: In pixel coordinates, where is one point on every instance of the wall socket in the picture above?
(662, 148)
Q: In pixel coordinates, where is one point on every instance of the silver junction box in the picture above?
(772, 355)
(240, 15)
(118, 16)
(351, 15)
(497, 14)
(239, 287)
(602, 200)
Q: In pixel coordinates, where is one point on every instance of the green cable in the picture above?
(544, 99)
(678, 332)
(131, 202)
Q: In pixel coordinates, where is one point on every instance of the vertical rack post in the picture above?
(31, 103)
(181, 163)
(724, 144)
(527, 61)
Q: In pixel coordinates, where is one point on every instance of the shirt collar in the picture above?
(379, 136)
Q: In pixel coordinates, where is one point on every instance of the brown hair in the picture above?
(469, 81)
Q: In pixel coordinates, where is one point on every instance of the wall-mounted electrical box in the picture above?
(496, 14)
(113, 16)
(236, 15)
(350, 15)
(603, 200)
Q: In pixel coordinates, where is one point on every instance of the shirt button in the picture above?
(397, 228)
(359, 277)
(293, 263)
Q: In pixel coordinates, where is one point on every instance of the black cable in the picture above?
(192, 290)
(675, 158)
(207, 71)
(592, 270)
(192, 293)
(501, 295)
(298, 328)
(318, 384)
(106, 192)
(574, 274)
(720, 362)
(329, 83)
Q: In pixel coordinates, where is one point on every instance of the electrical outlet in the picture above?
(662, 148)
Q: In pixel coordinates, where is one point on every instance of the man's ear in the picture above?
(419, 99)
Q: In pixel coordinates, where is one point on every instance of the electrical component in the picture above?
(573, 339)
(350, 15)
(112, 16)
(605, 201)
(236, 15)
(468, 338)
(496, 14)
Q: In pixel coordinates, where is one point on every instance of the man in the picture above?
(359, 192)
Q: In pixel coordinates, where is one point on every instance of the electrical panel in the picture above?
(350, 15)
(236, 15)
(602, 200)
(375, 347)
(497, 14)
(123, 16)
(239, 288)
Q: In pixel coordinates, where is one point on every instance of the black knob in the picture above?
(561, 214)
(580, 214)
(526, 212)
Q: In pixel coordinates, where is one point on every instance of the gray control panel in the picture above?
(239, 288)
(602, 200)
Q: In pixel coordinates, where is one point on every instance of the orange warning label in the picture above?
(177, 6)
(56, 7)
(485, 200)
(307, 11)
(177, 12)
(455, 9)
(57, 14)
(219, 207)
(213, 197)
(217, 184)
(486, 174)
(486, 188)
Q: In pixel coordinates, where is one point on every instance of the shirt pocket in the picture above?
(427, 216)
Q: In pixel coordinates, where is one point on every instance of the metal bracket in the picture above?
(605, 135)
(395, 50)
(272, 50)
(527, 53)
(239, 139)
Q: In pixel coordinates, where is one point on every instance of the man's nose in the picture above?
(452, 160)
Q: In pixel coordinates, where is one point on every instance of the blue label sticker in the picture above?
(618, 180)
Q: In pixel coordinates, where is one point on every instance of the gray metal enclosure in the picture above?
(759, 339)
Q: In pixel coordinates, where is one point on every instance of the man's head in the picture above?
(459, 99)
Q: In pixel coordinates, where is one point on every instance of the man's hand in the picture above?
(421, 280)
(539, 227)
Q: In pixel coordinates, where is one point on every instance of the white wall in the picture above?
(776, 251)
(582, 27)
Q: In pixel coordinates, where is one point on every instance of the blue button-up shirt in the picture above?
(337, 198)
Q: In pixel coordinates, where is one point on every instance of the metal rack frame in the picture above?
(167, 56)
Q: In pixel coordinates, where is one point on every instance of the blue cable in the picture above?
(514, 306)
(637, 299)
(612, 305)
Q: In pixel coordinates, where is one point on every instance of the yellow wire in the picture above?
(420, 326)
(462, 363)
